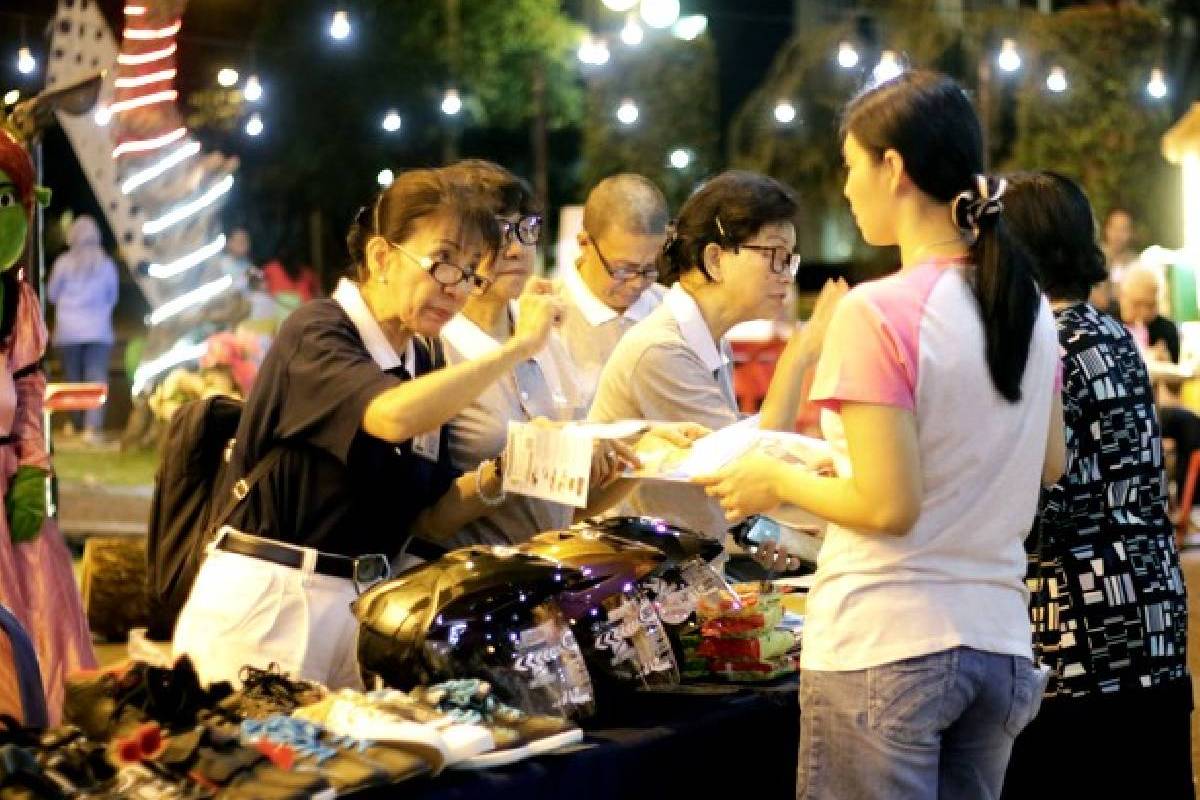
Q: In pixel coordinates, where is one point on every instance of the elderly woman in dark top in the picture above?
(1108, 605)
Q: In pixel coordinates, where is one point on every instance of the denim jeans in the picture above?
(86, 361)
(934, 726)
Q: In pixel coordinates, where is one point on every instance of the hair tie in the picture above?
(980, 204)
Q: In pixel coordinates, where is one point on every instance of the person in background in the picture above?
(1119, 256)
(938, 393)
(287, 275)
(83, 288)
(612, 285)
(235, 261)
(1157, 339)
(1108, 604)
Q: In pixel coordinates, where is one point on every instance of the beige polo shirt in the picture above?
(544, 386)
(590, 329)
(669, 368)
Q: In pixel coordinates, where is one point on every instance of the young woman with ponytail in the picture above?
(939, 393)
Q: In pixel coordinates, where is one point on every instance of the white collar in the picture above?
(473, 342)
(595, 310)
(693, 327)
(350, 299)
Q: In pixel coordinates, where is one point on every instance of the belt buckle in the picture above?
(370, 570)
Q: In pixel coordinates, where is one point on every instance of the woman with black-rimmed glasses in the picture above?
(731, 260)
(346, 424)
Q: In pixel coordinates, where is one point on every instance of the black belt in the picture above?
(331, 564)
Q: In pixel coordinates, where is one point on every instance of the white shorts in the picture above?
(248, 611)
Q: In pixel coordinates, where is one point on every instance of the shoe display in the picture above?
(270, 691)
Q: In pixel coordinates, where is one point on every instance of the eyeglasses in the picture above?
(780, 259)
(623, 274)
(527, 230)
(448, 274)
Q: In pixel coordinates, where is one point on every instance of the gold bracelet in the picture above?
(490, 502)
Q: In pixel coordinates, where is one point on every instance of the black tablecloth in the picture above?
(691, 743)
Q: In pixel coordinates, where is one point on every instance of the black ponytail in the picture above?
(928, 120)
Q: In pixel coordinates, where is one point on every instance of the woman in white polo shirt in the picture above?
(731, 255)
(938, 394)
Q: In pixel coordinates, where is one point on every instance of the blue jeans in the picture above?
(935, 726)
(87, 361)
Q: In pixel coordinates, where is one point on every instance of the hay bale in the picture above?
(113, 584)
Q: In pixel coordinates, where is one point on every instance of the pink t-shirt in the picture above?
(914, 340)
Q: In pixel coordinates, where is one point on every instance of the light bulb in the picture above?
(26, 63)
(1056, 81)
(451, 103)
(391, 121)
(627, 112)
(253, 90)
(254, 125)
(620, 5)
(11, 97)
(785, 112)
(888, 67)
(690, 27)
(227, 77)
(1009, 59)
(339, 26)
(632, 34)
(660, 13)
(1157, 86)
(385, 177)
(680, 158)
(847, 56)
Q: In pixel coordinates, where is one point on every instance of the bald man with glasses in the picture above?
(611, 287)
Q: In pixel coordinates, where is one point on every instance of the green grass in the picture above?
(113, 469)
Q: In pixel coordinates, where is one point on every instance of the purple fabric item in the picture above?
(83, 288)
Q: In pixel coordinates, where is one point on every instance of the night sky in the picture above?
(747, 33)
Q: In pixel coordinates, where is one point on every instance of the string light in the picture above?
(690, 27)
(627, 112)
(660, 13)
(148, 34)
(26, 63)
(680, 158)
(1009, 59)
(785, 112)
(253, 90)
(385, 178)
(1056, 81)
(145, 80)
(888, 67)
(339, 26)
(847, 56)
(185, 210)
(140, 101)
(254, 125)
(11, 97)
(181, 353)
(632, 34)
(168, 161)
(183, 264)
(146, 145)
(391, 121)
(1157, 86)
(620, 5)
(137, 59)
(227, 76)
(451, 103)
(190, 299)
(592, 51)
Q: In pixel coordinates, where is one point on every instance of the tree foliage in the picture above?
(1104, 131)
(674, 84)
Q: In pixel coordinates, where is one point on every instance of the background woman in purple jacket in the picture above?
(83, 288)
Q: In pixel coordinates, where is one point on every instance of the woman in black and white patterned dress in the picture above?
(1108, 605)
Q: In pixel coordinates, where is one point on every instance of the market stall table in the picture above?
(685, 743)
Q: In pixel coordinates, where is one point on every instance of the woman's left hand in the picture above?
(610, 458)
(750, 485)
